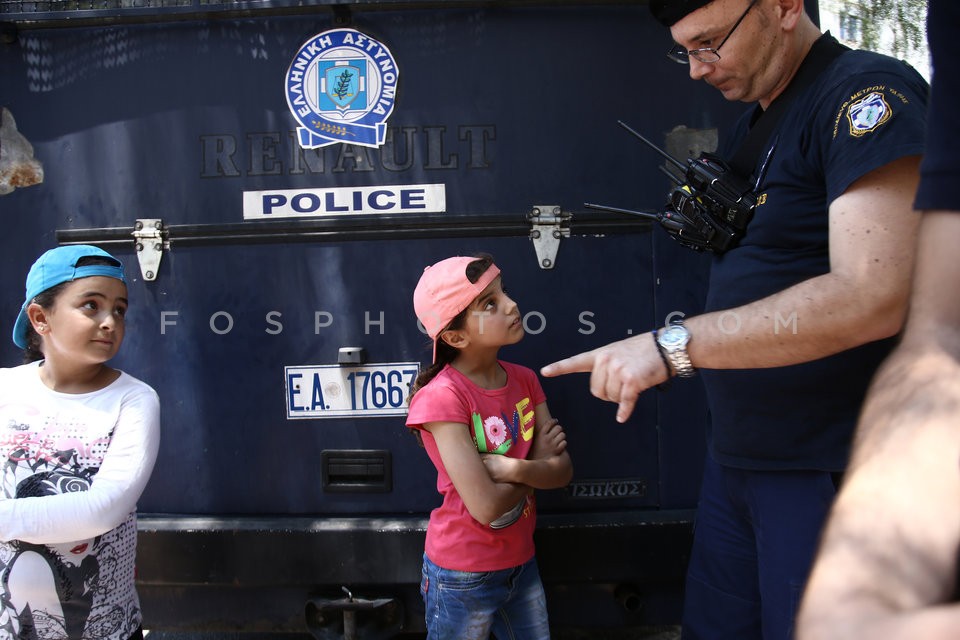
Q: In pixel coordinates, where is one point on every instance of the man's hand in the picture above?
(619, 372)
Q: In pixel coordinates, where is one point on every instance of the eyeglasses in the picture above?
(708, 55)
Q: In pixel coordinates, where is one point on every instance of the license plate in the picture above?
(336, 391)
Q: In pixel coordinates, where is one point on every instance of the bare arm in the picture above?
(549, 465)
(887, 565)
(485, 499)
(863, 298)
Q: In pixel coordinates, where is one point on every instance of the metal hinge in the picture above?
(148, 234)
(548, 225)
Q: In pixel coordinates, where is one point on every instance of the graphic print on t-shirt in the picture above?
(496, 434)
(71, 589)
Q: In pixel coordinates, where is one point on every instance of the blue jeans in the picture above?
(755, 537)
(464, 605)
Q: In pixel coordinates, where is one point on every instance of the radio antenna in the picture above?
(631, 212)
(674, 161)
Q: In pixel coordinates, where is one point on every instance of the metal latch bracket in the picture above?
(354, 618)
(148, 235)
(548, 225)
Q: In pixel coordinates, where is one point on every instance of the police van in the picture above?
(275, 175)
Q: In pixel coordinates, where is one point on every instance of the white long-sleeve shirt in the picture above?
(73, 468)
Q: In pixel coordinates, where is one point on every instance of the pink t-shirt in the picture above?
(500, 421)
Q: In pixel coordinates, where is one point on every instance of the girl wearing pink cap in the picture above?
(78, 440)
(486, 427)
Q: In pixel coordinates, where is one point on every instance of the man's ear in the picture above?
(790, 13)
(455, 338)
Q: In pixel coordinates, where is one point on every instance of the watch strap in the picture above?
(679, 358)
(663, 357)
(681, 363)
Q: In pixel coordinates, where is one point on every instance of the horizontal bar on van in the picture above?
(353, 227)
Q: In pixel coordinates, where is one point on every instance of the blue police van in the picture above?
(275, 175)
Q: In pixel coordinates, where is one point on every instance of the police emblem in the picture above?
(867, 114)
(341, 87)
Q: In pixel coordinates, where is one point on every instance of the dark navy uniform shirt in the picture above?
(862, 112)
(941, 163)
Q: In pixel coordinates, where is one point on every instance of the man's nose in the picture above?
(699, 69)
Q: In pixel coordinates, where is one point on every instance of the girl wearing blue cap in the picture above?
(78, 440)
(485, 425)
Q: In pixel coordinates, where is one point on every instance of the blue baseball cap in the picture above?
(57, 266)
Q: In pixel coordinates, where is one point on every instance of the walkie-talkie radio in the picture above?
(708, 210)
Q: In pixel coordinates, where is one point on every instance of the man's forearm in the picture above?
(810, 320)
(888, 558)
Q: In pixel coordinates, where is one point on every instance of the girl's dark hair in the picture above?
(45, 299)
(445, 353)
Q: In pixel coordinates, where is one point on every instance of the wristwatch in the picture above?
(673, 340)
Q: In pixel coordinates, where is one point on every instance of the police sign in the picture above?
(295, 203)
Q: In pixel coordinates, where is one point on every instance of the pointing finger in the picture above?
(580, 363)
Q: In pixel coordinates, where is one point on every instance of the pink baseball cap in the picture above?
(444, 291)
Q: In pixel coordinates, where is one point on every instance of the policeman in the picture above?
(799, 313)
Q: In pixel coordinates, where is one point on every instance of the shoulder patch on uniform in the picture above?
(868, 113)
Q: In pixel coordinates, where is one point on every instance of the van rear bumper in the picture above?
(609, 569)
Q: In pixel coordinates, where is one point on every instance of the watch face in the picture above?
(674, 336)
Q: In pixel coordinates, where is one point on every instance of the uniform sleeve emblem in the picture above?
(867, 114)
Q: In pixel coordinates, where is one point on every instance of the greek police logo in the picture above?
(341, 87)
(867, 114)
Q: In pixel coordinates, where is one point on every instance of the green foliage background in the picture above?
(895, 27)
(906, 18)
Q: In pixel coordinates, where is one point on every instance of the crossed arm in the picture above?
(862, 298)
(490, 485)
(112, 495)
(887, 566)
